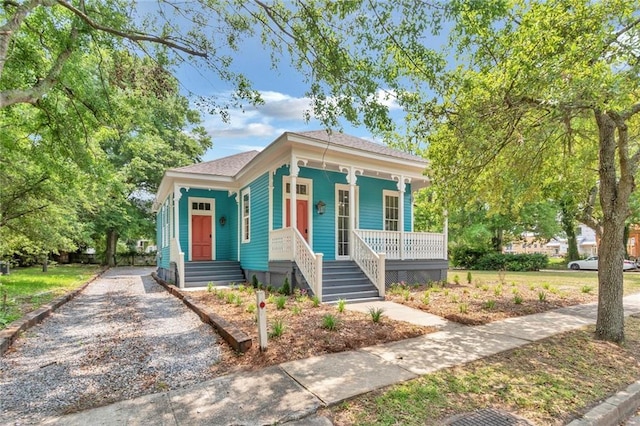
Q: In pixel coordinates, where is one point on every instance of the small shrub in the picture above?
(465, 291)
(498, 290)
(469, 277)
(254, 281)
(277, 328)
(271, 298)
(501, 277)
(454, 298)
(376, 314)
(456, 279)
(286, 288)
(341, 304)
(426, 299)
(517, 299)
(546, 286)
(251, 308)
(219, 294)
(210, 287)
(329, 322)
(485, 287)
(542, 296)
(489, 304)
(269, 288)
(280, 302)
(464, 308)
(446, 292)
(315, 301)
(231, 297)
(296, 310)
(478, 283)
(586, 289)
(532, 287)
(406, 294)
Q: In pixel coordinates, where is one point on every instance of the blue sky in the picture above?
(282, 90)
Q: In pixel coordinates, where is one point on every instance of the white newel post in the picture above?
(319, 257)
(262, 320)
(177, 194)
(381, 274)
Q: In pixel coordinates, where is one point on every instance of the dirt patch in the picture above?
(303, 333)
(482, 302)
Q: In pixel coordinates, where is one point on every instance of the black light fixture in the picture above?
(222, 220)
(320, 206)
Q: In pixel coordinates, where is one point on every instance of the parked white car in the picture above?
(592, 263)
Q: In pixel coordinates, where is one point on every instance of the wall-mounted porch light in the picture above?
(222, 220)
(320, 206)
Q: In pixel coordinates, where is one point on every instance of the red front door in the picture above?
(302, 217)
(201, 237)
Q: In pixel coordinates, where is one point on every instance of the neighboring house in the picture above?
(330, 211)
(557, 246)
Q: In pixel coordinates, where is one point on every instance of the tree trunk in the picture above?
(569, 228)
(497, 240)
(112, 243)
(614, 200)
(625, 240)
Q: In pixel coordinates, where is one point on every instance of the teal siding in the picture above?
(254, 255)
(324, 226)
(278, 192)
(162, 260)
(371, 201)
(226, 236)
(408, 208)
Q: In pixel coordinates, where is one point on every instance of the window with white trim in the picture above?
(391, 210)
(246, 215)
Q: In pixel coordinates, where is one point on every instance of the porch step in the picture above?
(201, 273)
(343, 279)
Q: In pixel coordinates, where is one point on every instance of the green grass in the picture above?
(27, 289)
(547, 382)
(563, 280)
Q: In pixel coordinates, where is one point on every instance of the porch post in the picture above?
(176, 211)
(445, 232)
(293, 172)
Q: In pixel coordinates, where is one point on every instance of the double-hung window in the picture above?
(391, 210)
(246, 215)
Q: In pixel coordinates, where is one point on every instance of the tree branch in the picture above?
(32, 94)
(130, 35)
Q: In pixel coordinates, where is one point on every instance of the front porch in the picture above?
(384, 257)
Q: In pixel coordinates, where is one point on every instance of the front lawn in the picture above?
(26, 289)
(480, 297)
(548, 382)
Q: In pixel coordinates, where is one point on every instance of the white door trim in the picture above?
(211, 213)
(308, 196)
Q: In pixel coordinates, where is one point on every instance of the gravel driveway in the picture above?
(122, 337)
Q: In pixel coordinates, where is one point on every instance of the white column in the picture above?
(293, 172)
(271, 201)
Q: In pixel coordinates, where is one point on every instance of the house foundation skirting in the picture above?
(169, 275)
(415, 271)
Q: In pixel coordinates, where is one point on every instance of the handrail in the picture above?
(177, 255)
(371, 263)
(289, 244)
(309, 263)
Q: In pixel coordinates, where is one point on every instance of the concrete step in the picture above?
(348, 289)
(350, 296)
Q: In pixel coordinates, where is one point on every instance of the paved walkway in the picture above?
(294, 390)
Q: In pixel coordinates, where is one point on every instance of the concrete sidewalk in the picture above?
(294, 390)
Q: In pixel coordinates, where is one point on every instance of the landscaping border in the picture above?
(235, 337)
(613, 410)
(13, 330)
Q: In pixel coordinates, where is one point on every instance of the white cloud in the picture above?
(387, 98)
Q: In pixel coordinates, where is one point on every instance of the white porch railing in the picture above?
(406, 245)
(371, 263)
(289, 244)
(177, 255)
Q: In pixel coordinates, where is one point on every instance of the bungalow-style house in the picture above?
(330, 212)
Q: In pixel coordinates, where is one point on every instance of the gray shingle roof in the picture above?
(358, 143)
(227, 166)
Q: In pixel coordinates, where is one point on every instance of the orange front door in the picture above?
(302, 217)
(201, 237)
